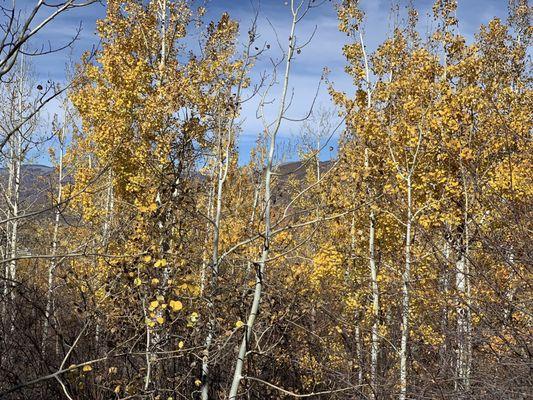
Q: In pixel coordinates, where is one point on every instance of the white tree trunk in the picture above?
(48, 314)
(15, 170)
(511, 292)
(224, 160)
(374, 347)
(205, 261)
(13, 239)
(110, 204)
(357, 316)
(261, 266)
(462, 281)
(406, 282)
(214, 270)
(19, 142)
(374, 353)
(445, 287)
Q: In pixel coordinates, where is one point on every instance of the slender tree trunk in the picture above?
(147, 349)
(214, 269)
(261, 266)
(445, 287)
(153, 337)
(48, 314)
(462, 280)
(101, 347)
(463, 357)
(317, 160)
(13, 238)
(359, 350)
(205, 261)
(16, 160)
(510, 293)
(357, 314)
(224, 153)
(9, 227)
(110, 204)
(374, 350)
(406, 282)
(374, 353)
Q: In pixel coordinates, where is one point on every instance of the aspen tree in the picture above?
(224, 126)
(49, 312)
(146, 137)
(351, 21)
(398, 269)
(298, 10)
(19, 131)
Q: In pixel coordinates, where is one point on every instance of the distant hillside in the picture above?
(36, 184)
(38, 180)
(297, 170)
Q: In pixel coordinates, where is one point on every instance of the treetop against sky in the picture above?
(324, 50)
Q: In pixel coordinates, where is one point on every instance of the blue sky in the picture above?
(323, 51)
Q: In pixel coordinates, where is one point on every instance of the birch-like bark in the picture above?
(374, 348)
(407, 174)
(357, 316)
(374, 354)
(48, 314)
(153, 337)
(224, 160)
(14, 195)
(16, 157)
(147, 349)
(110, 205)
(205, 253)
(261, 266)
(462, 281)
(511, 292)
(223, 166)
(445, 287)
(406, 282)
(106, 237)
(359, 351)
(9, 191)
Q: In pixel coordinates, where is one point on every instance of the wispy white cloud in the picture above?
(323, 51)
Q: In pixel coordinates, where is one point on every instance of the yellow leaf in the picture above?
(197, 382)
(160, 320)
(176, 305)
(155, 281)
(160, 263)
(153, 305)
(117, 389)
(137, 281)
(87, 368)
(239, 323)
(147, 258)
(181, 344)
